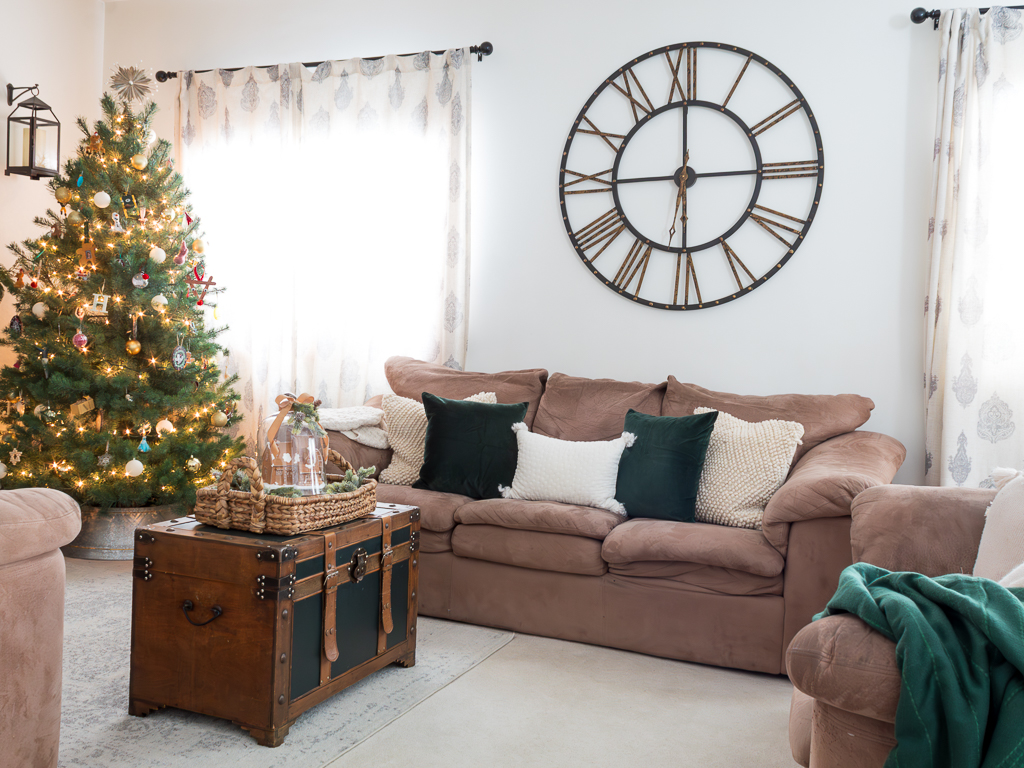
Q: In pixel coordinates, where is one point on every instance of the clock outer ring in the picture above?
(785, 257)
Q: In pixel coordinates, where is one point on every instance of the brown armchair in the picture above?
(34, 524)
(846, 683)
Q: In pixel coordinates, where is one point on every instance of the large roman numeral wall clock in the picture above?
(691, 176)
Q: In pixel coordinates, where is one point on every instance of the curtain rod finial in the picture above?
(918, 15)
(484, 49)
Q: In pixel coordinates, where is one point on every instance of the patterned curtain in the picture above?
(974, 329)
(335, 204)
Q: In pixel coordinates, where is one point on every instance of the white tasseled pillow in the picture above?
(406, 425)
(747, 462)
(1002, 540)
(581, 473)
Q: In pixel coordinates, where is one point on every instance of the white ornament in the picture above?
(38, 410)
(3, 470)
(140, 280)
(102, 199)
(133, 468)
(151, 137)
(159, 301)
(163, 426)
(15, 456)
(39, 309)
(158, 255)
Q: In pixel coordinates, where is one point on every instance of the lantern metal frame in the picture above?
(33, 121)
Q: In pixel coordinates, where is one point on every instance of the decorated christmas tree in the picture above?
(115, 397)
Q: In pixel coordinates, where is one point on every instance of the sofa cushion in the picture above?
(437, 510)
(841, 661)
(574, 408)
(823, 416)
(741, 549)
(470, 447)
(540, 516)
(529, 549)
(34, 521)
(411, 378)
(660, 473)
(701, 578)
(434, 542)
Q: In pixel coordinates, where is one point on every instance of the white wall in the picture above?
(59, 45)
(845, 314)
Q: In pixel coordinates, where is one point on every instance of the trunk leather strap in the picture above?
(387, 559)
(331, 580)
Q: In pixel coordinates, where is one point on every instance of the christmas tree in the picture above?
(115, 397)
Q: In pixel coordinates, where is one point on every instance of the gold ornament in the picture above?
(139, 161)
(133, 347)
(75, 218)
(63, 194)
(219, 419)
(193, 464)
(198, 246)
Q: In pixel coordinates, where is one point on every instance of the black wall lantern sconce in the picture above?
(33, 139)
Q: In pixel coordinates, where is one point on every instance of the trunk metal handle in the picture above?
(188, 606)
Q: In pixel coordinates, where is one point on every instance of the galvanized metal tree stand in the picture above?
(109, 534)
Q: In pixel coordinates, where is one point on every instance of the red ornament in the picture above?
(145, 276)
(17, 363)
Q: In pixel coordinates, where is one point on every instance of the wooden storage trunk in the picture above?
(257, 629)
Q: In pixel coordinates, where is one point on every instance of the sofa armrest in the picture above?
(841, 661)
(34, 521)
(828, 477)
(357, 454)
(928, 530)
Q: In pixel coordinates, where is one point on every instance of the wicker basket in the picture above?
(259, 512)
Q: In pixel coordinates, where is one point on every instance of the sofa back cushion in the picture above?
(578, 409)
(411, 378)
(823, 416)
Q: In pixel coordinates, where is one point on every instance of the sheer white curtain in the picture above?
(335, 205)
(974, 353)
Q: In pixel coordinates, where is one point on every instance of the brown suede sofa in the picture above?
(34, 524)
(707, 593)
(845, 678)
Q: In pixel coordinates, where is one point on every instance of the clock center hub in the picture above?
(684, 172)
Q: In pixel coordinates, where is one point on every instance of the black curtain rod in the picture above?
(918, 15)
(484, 49)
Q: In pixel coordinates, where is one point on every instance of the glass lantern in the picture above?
(293, 450)
(33, 139)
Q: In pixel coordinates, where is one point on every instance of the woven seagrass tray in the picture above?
(259, 512)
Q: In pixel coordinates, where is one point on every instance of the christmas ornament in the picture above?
(141, 280)
(81, 179)
(133, 347)
(182, 254)
(63, 195)
(80, 340)
(105, 458)
(199, 281)
(116, 226)
(83, 406)
(56, 232)
(99, 305)
(38, 410)
(87, 253)
(158, 255)
(131, 84)
(144, 446)
(95, 146)
(158, 302)
(75, 218)
(142, 214)
(15, 456)
(3, 470)
(163, 426)
(151, 137)
(49, 415)
(219, 419)
(101, 199)
(198, 246)
(179, 357)
(133, 468)
(39, 309)
(139, 161)
(188, 219)
(128, 202)
(34, 282)
(193, 464)
(16, 326)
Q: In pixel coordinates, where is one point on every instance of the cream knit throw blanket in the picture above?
(1001, 552)
(360, 423)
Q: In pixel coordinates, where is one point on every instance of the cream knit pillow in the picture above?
(1002, 539)
(406, 425)
(747, 462)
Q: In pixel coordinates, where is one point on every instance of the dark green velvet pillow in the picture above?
(470, 447)
(660, 473)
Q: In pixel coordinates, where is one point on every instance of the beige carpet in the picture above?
(541, 702)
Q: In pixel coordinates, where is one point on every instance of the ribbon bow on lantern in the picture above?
(285, 403)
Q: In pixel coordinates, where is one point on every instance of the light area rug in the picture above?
(98, 732)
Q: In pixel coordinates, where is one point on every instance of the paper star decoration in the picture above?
(131, 84)
(15, 456)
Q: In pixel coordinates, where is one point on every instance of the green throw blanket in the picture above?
(960, 651)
